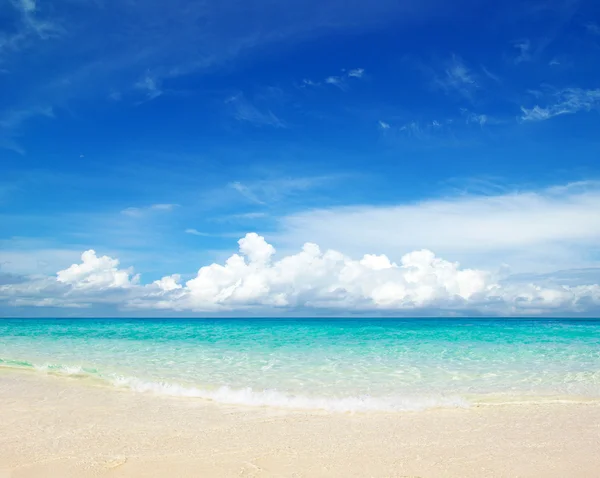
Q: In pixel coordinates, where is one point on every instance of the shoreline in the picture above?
(60, 428)
(79, 377)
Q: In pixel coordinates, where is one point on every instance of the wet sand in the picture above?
(59, 427)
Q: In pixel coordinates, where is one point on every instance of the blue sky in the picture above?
(160, 133)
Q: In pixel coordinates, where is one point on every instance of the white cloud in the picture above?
(249, 215)
(491, 75)
(32, 25)
(306, 82)
(48, 302)
(356, 73)
(309, 279)
(96, 273)
(22, 258)
(524, 48)
(11, 121)
(561, 102)
(337, 80)
(195, 232)
(150, 86)
(168, 283)
(163, 207)
(383, 125)
(243, 110)
(27, 5)
(267, 191)
(246, 192)
(457, 77)
(427, 131)
(142, 211)
(536, 113)
(480, 119)
(546, 230)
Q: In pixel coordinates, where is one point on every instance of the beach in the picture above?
(60, 427)
(299, 398)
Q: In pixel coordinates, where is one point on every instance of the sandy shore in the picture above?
(57, 427)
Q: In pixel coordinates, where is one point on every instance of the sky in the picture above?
(388, 158)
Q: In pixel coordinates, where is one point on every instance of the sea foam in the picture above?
(247, 396)
(275, 398)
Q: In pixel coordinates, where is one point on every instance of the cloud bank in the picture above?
(255, 280)
(532, 231)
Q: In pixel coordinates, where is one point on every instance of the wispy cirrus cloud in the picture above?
(356, 73)
(246, 191)
(340, 81)
(143, 211)
(195, 232)
(490, 75)
(30, 23)
(246, 216)
(150, 85)
(562, 102)
(151, 36)
(480, 119)
(549, 229)
(425, 132)
(457, 77)
(243, 110)
(266, 192)
(11, 121)
(523, 48)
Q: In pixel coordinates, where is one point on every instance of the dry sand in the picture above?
(58, 427)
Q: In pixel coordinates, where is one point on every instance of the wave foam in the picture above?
(61, 369)
(248, 396)
(274, 398)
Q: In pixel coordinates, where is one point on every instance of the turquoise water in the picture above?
(336, 364)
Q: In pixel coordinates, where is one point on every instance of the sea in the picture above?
(339, 365)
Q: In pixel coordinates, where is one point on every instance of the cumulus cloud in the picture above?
(96, 273)
(253, 279)
(168, 283)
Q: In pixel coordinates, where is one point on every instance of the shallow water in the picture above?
(336, 364)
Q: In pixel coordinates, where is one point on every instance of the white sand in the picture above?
(58, 427)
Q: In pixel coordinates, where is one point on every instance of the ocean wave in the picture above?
(277, 399)
(58, 369)
(247, 396)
